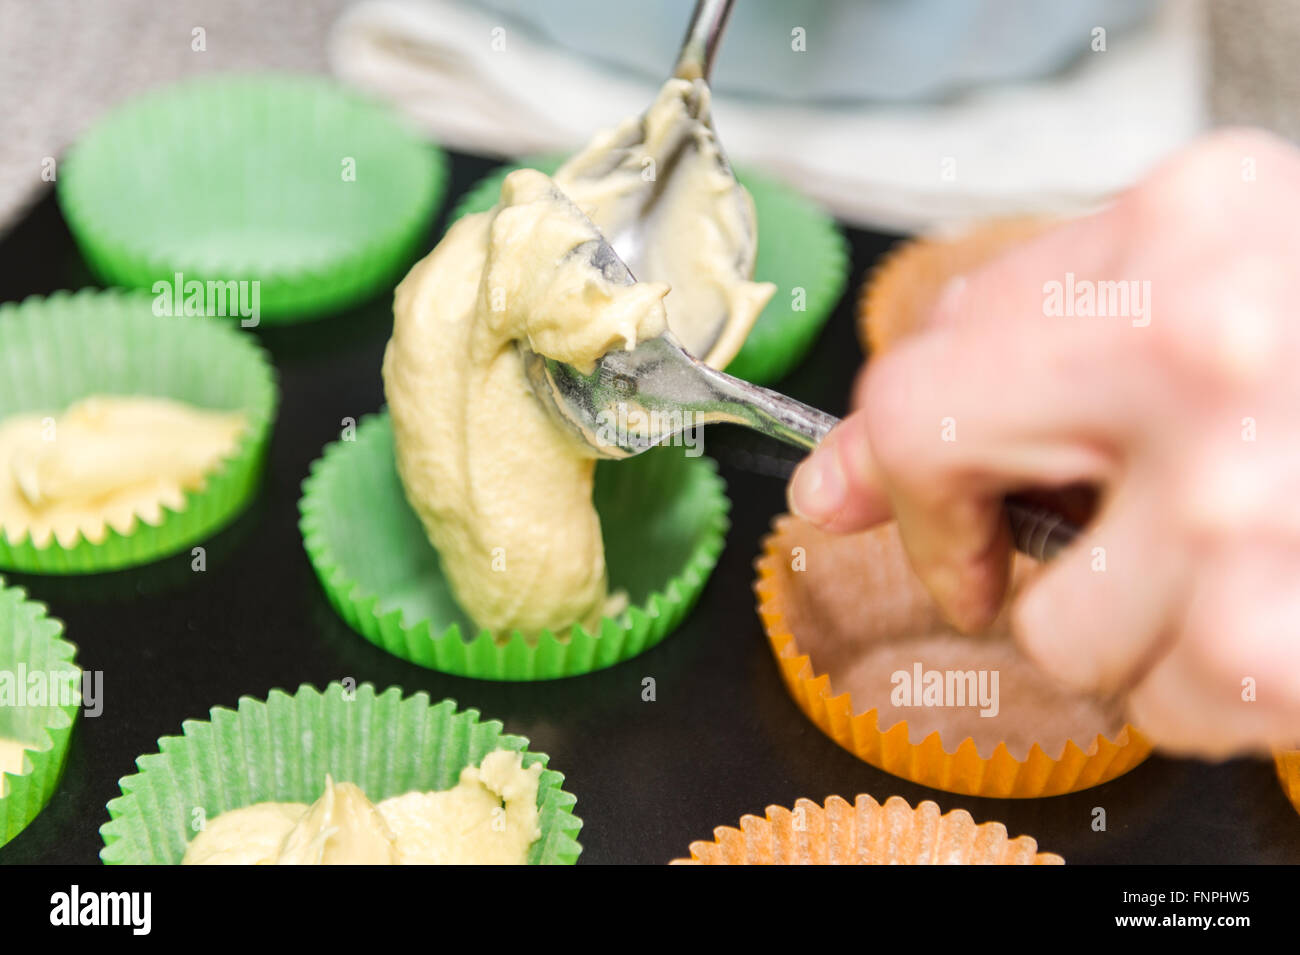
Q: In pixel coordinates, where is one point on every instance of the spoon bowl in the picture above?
(648, 169)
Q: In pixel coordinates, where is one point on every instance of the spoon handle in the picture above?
(1035, 530)
(695, 61)
(774, 414)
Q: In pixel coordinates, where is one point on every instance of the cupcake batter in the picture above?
(702, 235)
(11, 761)
(106, 462)
(505, 495)
(488, 818)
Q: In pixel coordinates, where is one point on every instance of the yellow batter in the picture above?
(106, 462)
(503, 493)
(11, 761)
(702, 230)
(488, 818)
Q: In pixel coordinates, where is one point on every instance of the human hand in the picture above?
(1184, 412)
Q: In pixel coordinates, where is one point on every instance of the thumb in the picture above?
(837, 488)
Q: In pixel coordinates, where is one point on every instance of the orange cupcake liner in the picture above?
(930, 762)
(908, 280)
(1287, 762)
(865, 833)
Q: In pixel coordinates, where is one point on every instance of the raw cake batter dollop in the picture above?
(503, 493)
(664, 171)
(106, 461)
(11, 761)
(488, 818)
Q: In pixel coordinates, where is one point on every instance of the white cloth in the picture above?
(1057, 145)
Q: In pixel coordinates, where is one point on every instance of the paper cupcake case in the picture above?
(799, 247)
(57, 350)
(1287, 762)
(865, 833)
(247, 178)
(282, 748)
(31, 639)
(664, 518)
(954, 765)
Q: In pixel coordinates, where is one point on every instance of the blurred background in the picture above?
(895, 115)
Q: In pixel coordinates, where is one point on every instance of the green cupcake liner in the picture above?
(31, 639)
(243, 178)
(799, 247)
(280, 750)
(664, 522)
(56, 350)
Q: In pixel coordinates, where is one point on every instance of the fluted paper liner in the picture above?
(281, 750)
(909, 279)
(31, 639)
(321, 195)
(1287, 762)
(57, 350)
(865, 579)
(865, 833)
(664, 521)
(800, 250)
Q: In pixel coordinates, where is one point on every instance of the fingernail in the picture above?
(818, 488)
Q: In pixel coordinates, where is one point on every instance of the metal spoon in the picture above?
(634, 226)
(636, 399)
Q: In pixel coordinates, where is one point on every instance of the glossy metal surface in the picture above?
(640, 226)
(655, 393)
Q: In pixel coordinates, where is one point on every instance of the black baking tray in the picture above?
(722, 738)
